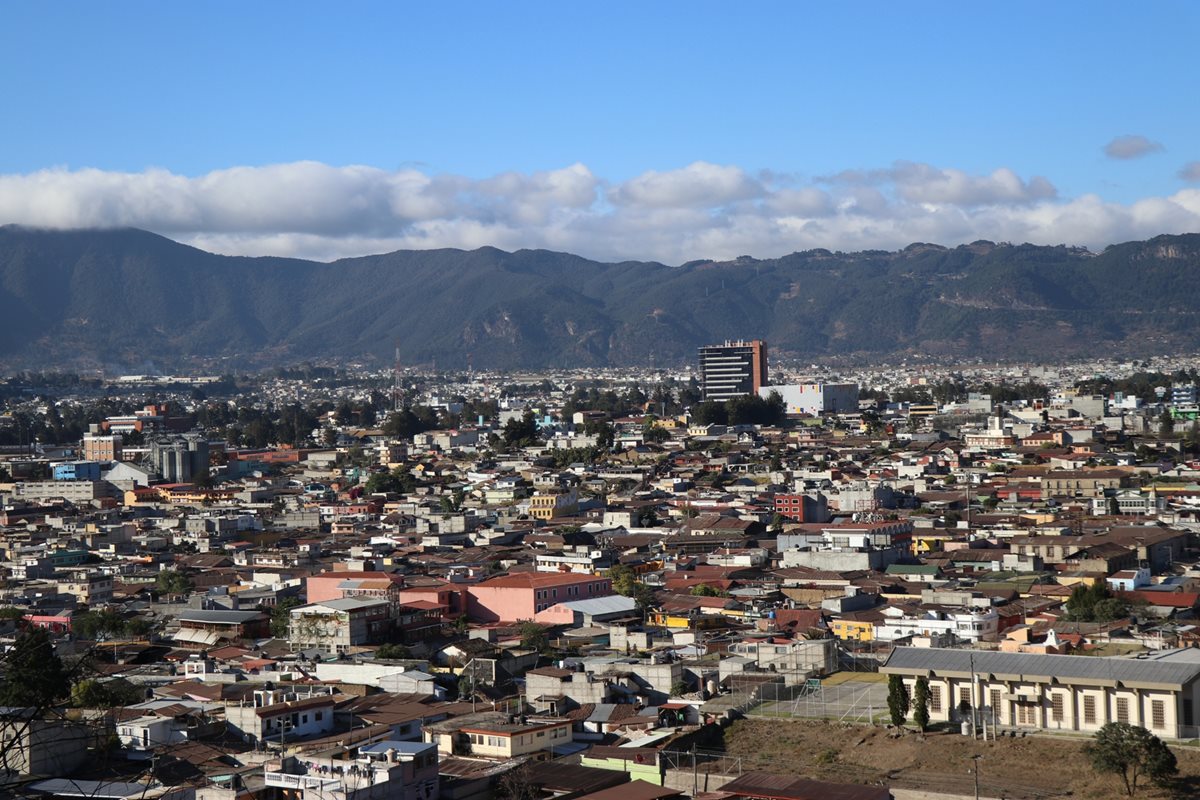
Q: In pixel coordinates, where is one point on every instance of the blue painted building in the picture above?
(77, 471)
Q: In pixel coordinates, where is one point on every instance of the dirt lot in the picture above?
(1031, 768)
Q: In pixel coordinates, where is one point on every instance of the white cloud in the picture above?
(924, 183)
(1131, 146)
(697, 185)
(314, 210)
(1190, 172)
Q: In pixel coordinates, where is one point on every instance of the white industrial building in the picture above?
(816, 398)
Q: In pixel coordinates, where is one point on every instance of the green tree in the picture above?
(171, 581)
(1095, 603)
(392, 650)
(521, 432)
(398, 481)
(34, 675)
(1132, 752)
(116, 693)
(466, 685)
(281, 615)
(1166, 423)
(920, 704)
(710, 412)
(655, 435)
(704, 590)
(98, 625)
(533, 636)
(625, 582)
(898, 700)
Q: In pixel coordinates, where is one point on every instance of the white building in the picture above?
(276, 715)
(970, 626)
(816, 398)
(1055, 692)
(389, 770)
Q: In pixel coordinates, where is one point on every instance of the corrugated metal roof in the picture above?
(407, 748)
(1036, 665)
(346, 604)
(613, 604)
(67, 787)
(218, 617)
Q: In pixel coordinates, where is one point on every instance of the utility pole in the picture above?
(975, 764)
(974, 699)
(474, 661)
(696, 778)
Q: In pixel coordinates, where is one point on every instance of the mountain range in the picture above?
(127, 297)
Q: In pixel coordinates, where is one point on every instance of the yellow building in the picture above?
(492, 734)
(930, 541)
(853, 630)
(550, 504)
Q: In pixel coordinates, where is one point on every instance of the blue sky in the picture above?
(789, 94)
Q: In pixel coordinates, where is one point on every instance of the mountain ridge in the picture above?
(125, 296)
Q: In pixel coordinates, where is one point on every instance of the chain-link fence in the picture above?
(851, 701)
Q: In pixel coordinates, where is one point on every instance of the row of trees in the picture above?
(744, 410)
(956, 391)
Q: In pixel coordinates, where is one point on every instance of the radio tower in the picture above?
(396, 391)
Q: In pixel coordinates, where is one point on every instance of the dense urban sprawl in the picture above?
(321, 582)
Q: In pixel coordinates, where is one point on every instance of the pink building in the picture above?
(522, 595)
(60, 623)
(336, 585)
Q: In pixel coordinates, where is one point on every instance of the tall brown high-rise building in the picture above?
(733, 369)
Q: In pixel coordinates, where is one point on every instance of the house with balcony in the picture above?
(204, 628)
(970, 625)
(387, 770)
(492, 734)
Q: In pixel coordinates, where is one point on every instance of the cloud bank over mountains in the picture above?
(701, 211)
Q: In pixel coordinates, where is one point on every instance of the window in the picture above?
(1122, 709)
(935, 699)
(1089, 710)
(320, 715)
(964, 697)
(994, 702)
(1027, 714)
(1158, 714)
(1056, 707)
